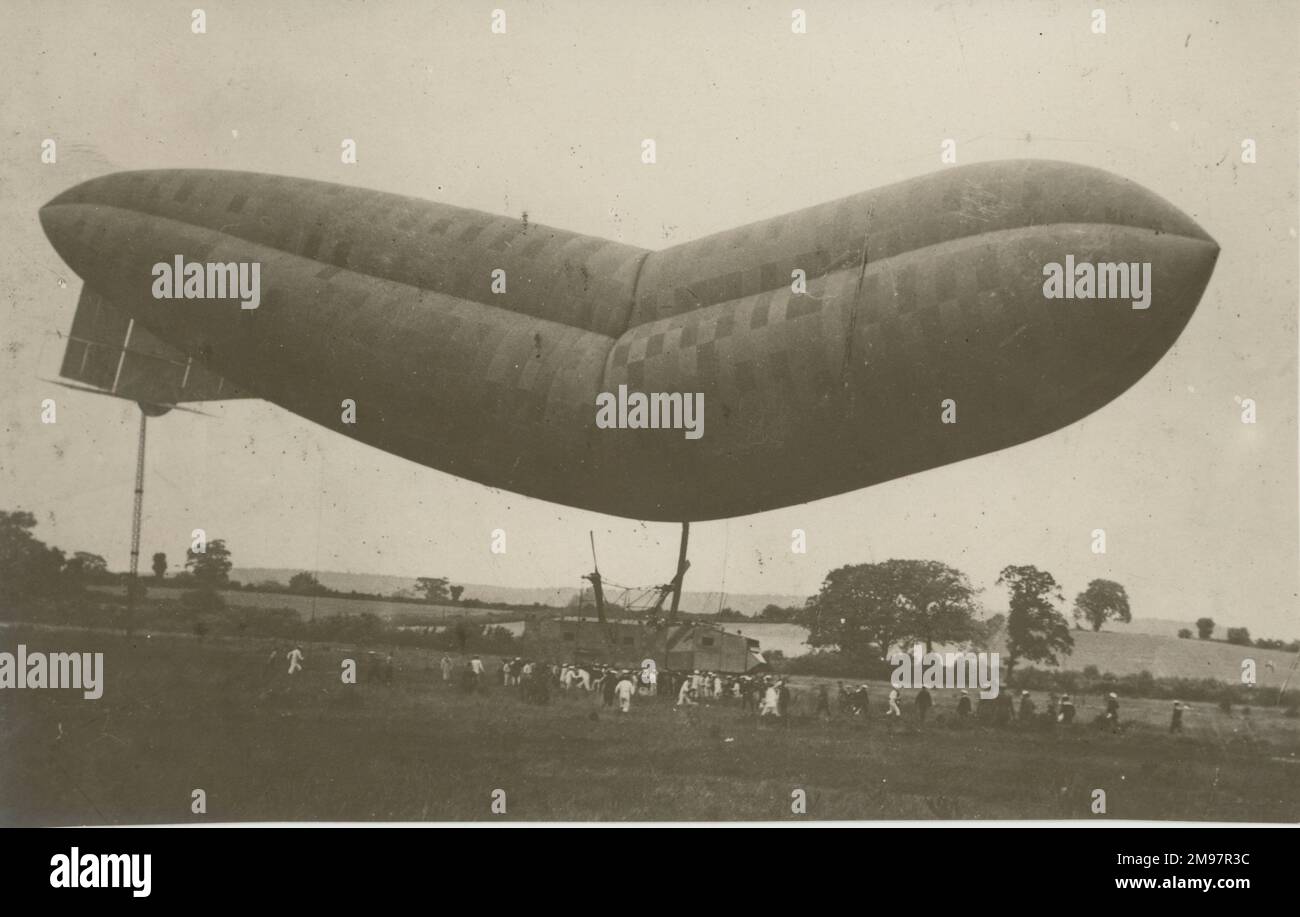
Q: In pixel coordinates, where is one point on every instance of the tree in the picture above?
(1239, 636)
(1036, 629)
(1103, 600)
(988, 631)
(1204, 627)
(85, 566)
(456, 593)
(778, 613)
(875, 606)
(160, 565)
(212, 567)
(1184, 633)
(434, 589)
(305, 583)
(940, 604)
(27, 565)
(855, 610)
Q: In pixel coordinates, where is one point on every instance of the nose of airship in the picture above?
(65, 219)
(1027, 295)
(56, 222)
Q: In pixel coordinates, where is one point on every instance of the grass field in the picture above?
(179, 714)
(1122, 653)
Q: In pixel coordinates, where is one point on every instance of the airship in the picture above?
(826, 350)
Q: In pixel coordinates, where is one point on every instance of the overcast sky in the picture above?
(750, 120)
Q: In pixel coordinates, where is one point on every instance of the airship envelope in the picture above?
(828, 349)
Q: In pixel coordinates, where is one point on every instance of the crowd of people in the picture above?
(766, 695)
(1002, 709)
(617, 686)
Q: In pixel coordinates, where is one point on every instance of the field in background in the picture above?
(1173, 657)
(328, 606)
(179, 713)
(1114, 651)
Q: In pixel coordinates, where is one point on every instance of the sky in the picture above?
(750, 120)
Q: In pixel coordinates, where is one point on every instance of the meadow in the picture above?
(181, 713)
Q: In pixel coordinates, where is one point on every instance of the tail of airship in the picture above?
(110, 353)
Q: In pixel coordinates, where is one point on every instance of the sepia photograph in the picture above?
(648, 413)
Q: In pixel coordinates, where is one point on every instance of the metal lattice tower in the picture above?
(132, 583)
(139, 498)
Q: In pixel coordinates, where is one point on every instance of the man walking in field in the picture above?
(446, 669)
(861, 700)
(1066, 714)
(624, 690)
(824, 702)
(746, 696)
(1176, 723)
(1112, 711)
(295, 660)
(894, 709)
(1026, 707)
(1004, 709)
(650, 680)
(771, 702)
(923, 702)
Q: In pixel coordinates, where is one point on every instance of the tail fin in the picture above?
(111, 353)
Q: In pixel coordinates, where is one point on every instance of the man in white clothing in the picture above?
(624, 691)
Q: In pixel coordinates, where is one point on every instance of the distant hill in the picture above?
(1160, 627)
(375, 584)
